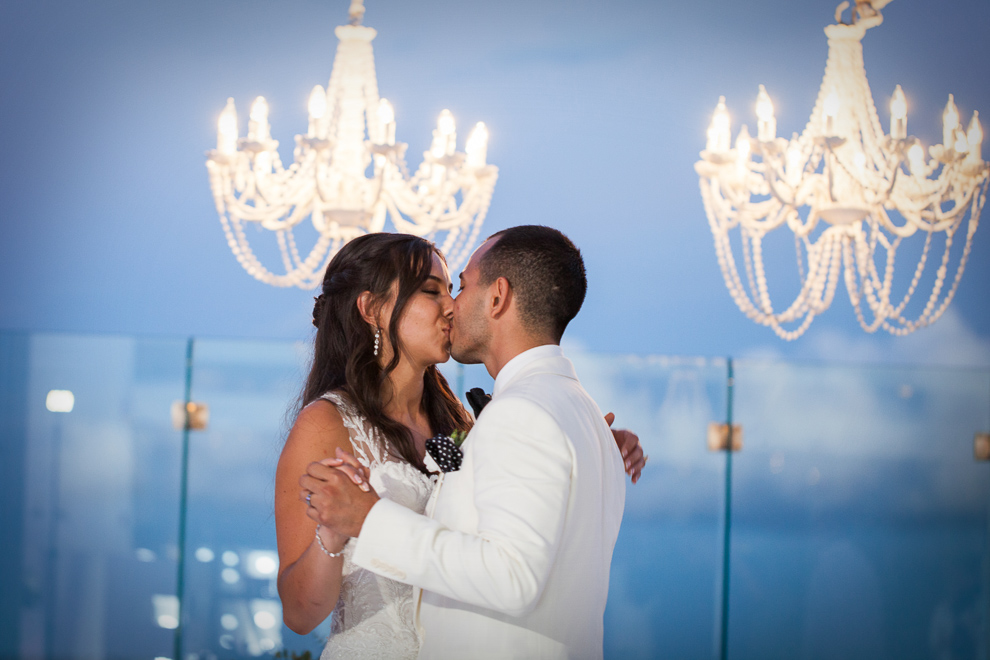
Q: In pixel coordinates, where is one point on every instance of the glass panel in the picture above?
(662, 598)
(231, 605)
(90, 510)
(859, 513)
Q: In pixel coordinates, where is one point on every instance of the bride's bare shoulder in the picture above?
(318, 430)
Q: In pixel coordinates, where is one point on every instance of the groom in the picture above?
(514, 551)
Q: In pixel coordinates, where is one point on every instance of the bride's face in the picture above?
(424, 327)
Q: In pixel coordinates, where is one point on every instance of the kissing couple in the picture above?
(421, 545)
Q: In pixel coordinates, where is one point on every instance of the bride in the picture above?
(374, 391)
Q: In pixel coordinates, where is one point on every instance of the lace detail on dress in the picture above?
(374, 615)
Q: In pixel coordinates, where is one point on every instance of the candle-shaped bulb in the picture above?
(916, 159)
(386, 113)
(831, 111)
(766, 124)
(227, 129)
(477, 146)
(950, 122)
(445, 123)
(258, 124)
(386, 121)
(975, 136)
(898, 114)
(718, 130)
(444, 137)
(317, 102)
(259, 109)
(317, 107)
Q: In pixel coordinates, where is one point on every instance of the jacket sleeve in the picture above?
(522, 466)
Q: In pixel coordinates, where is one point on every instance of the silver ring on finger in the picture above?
(309, 496)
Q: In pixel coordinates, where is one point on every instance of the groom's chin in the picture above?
(464, 357)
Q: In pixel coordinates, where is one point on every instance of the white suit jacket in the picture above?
(515, 561)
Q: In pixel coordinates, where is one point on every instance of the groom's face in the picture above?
(470, 334)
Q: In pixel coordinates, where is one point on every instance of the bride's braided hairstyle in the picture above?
(385, 265)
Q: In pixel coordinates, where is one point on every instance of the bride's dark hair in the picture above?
(343, 352)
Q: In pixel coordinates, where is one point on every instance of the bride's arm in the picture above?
(308, 579)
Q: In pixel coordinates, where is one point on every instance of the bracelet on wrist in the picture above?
(324, 548)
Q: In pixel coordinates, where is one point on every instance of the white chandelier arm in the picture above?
(269, 175)
(777, 182)
(762, 216)
(812, 189)
(876, 187)
(801, 230)
(951, 217)
(440, 211)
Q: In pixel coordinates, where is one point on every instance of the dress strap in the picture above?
(369, 447)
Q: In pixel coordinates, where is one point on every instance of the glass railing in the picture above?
(852, 522)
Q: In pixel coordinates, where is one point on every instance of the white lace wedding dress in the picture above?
(374, 616)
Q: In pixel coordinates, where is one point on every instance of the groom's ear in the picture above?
(500, 293)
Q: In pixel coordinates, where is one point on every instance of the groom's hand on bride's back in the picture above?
(632, 451)
(341, 496)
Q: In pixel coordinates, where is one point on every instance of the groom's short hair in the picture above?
(546, 273)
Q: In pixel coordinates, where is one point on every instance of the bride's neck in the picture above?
(405, 396)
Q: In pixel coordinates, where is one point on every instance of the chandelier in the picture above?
(849, 193)
(348, 174)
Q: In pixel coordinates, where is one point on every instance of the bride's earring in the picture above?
(378, 339)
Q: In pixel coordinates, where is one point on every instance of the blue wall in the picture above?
(597, 112)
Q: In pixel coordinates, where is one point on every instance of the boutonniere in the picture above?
(446, 450)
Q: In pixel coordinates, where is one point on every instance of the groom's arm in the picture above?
(522, 466)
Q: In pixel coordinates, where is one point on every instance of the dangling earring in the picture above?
(378, 339)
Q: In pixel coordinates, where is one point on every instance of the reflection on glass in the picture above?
(859, 524)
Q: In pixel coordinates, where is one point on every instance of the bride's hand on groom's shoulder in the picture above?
(341, 496)
(629, 446)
